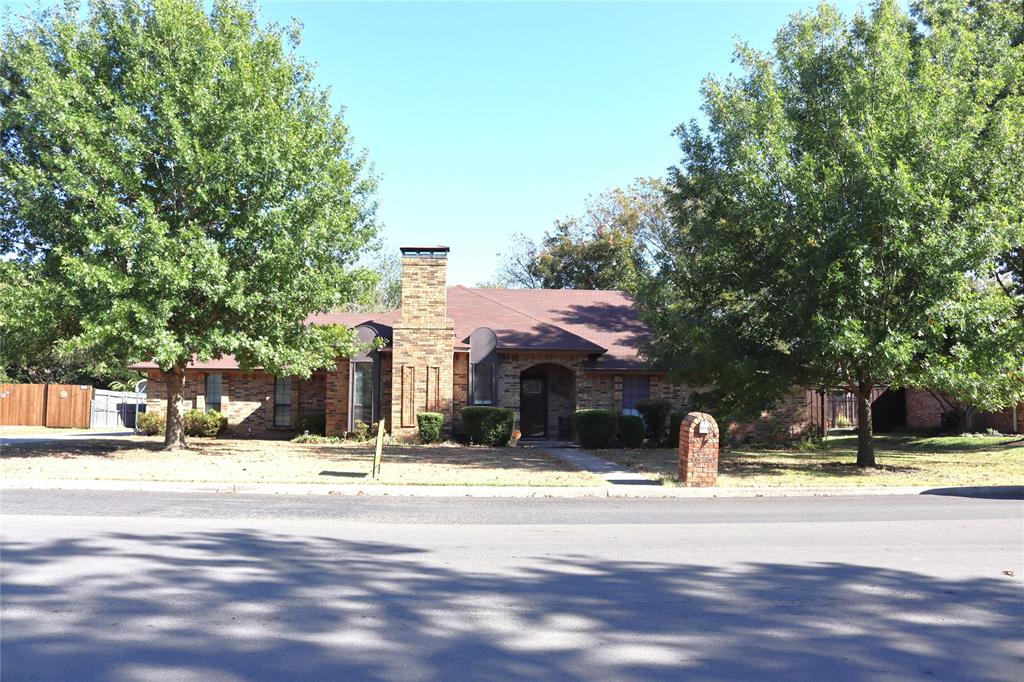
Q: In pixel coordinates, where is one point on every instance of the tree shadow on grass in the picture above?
(887, 444)
(746, 467)
(69, 449)
(247, 604)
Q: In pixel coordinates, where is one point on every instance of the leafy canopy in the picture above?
(607, 247)
(839, 219)
(181, 181)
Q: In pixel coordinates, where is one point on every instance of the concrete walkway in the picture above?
(56, 435)
(591, 463)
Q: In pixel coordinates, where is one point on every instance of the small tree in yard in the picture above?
(846, 196)
(182, 182)
(982, 363)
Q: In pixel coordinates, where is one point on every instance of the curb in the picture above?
(594, 492)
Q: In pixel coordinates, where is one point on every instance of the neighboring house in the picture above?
(543, 353)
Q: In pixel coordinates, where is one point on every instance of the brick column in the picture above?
(698, 450)
(336, 399)
(422, 373)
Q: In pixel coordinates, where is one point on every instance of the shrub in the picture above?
(488, 425)
(656, 415)
(313, 423)
(206, 424)
(596, 428)
(631, 430)
(152, 423)
(430, 426)
(675, 421)
(314, 438)
(361, 431)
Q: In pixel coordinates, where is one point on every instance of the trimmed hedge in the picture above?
(205, 424)
(152, 423)
(488, 425)
(631, 430)
(596, 428)
(430, 426)
(657, 415)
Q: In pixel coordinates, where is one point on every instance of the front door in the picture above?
(533, 406)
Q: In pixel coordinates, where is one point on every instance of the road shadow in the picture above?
(254, 605)
(984, 492)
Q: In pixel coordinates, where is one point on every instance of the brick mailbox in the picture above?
(698, 450)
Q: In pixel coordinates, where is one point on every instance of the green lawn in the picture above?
(903, 461)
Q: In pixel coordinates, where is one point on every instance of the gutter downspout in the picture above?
(1015, 429)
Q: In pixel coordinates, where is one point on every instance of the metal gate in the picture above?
(115, 409)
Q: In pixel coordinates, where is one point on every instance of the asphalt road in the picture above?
(141, 586)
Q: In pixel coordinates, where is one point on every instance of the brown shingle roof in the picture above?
(605, 318)
(604, 324)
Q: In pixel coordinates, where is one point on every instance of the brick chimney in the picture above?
(422, 342)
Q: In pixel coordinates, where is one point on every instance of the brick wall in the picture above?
(312, 397)
(790, 419)
(156, 393)
(924, 411)
(247, 399)
(250, 402)
(1002, 421)
(422, 374)
(336, 384)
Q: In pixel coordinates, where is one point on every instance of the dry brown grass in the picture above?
(903, 461)
(227, 460)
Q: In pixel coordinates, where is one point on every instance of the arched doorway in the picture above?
(547, 401)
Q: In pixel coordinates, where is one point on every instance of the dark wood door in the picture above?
(533, 406)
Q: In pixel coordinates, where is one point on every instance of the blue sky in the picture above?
(484, 119)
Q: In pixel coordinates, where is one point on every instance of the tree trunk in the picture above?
(967, 413)
(865, 435)
(174, 437)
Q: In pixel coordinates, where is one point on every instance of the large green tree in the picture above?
(34, 324)
(845, 191)
(177, 175)
(606, 247)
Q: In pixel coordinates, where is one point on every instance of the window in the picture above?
(283, 401)
(214, 382)
(362, 392)
(483, 384)
(634, 389)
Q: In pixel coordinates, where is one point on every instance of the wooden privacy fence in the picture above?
(53, 405)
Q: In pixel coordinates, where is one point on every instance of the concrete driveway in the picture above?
(56, 435)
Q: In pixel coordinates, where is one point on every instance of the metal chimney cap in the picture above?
(424, 251)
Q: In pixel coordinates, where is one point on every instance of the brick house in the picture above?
(544, 353)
